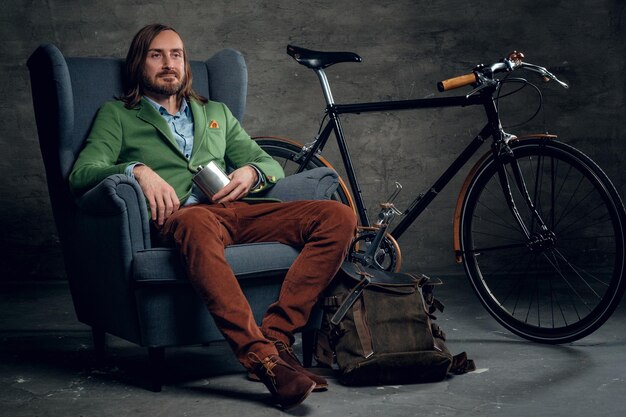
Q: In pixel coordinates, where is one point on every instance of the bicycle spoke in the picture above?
(577, 222)
(515, 226)
(506, 270)
(530, 303)
(496, 248)
(567, 209)
(579, 270)
(557, 196)
(495, 223)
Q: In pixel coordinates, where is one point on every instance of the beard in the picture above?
(163, 88)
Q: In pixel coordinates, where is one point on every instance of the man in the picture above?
(159, 132)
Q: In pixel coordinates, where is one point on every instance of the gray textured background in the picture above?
(407, 46)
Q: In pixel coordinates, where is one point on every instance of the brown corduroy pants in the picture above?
(322, 229)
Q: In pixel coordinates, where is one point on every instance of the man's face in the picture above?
(164, 69)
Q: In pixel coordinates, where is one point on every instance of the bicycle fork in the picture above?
(504, 155)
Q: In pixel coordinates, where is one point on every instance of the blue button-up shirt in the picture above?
(181, 125)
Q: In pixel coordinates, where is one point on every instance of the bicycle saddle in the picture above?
(318, 60)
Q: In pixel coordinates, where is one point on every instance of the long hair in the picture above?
(134, 69)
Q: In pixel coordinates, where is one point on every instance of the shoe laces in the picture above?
(283, 347)
(268, 364)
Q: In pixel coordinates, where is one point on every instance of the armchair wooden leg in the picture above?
(156, 361)
(308, 342)
(99, 343)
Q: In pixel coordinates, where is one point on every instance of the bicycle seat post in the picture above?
(328, 95)
(317, 61)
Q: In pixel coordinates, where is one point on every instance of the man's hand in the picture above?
(241, 181)
(160, 195)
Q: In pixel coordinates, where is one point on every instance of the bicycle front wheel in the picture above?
(564, 280)
(287, 152)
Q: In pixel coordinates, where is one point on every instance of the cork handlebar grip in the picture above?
(456, 82)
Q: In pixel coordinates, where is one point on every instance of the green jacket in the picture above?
(121, 136)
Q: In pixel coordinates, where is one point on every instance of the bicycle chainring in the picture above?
(387, 258)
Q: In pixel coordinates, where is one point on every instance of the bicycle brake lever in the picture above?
(484, 83)
(547, 75)
(474, 91)
(553, 78)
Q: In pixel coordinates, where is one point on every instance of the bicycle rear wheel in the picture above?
(287, 153)
(560, 284)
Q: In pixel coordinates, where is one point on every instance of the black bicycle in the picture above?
(538, 225)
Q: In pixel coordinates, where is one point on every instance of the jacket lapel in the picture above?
(148, 114)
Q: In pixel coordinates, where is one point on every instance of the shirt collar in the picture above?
(184, 107)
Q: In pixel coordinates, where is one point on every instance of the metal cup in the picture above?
(210, 179)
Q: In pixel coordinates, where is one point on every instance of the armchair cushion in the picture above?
(161, 266)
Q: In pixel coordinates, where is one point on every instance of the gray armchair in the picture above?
(120, 283)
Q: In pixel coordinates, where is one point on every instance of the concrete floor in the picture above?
(47, 369)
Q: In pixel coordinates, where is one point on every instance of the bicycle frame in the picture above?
(333, 125)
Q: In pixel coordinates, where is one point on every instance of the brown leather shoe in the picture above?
(287, 386)
(287, 354)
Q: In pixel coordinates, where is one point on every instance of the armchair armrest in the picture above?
(314, 184)
(120, 195)
(110, 226)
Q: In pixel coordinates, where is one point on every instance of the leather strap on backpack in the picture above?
(362, 329)
(352, 296)
(462, 365)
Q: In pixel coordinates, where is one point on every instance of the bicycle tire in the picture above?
(554, 291)
(285, 152)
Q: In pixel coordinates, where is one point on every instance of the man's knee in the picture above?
(341, 215)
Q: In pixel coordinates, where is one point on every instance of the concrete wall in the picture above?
(406, 45)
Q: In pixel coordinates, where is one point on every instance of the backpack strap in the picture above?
(462, 365)
(362, 329)
(350, 299)
(437, 332)
(427, 285)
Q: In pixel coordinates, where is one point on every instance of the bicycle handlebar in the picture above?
(483, 75)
